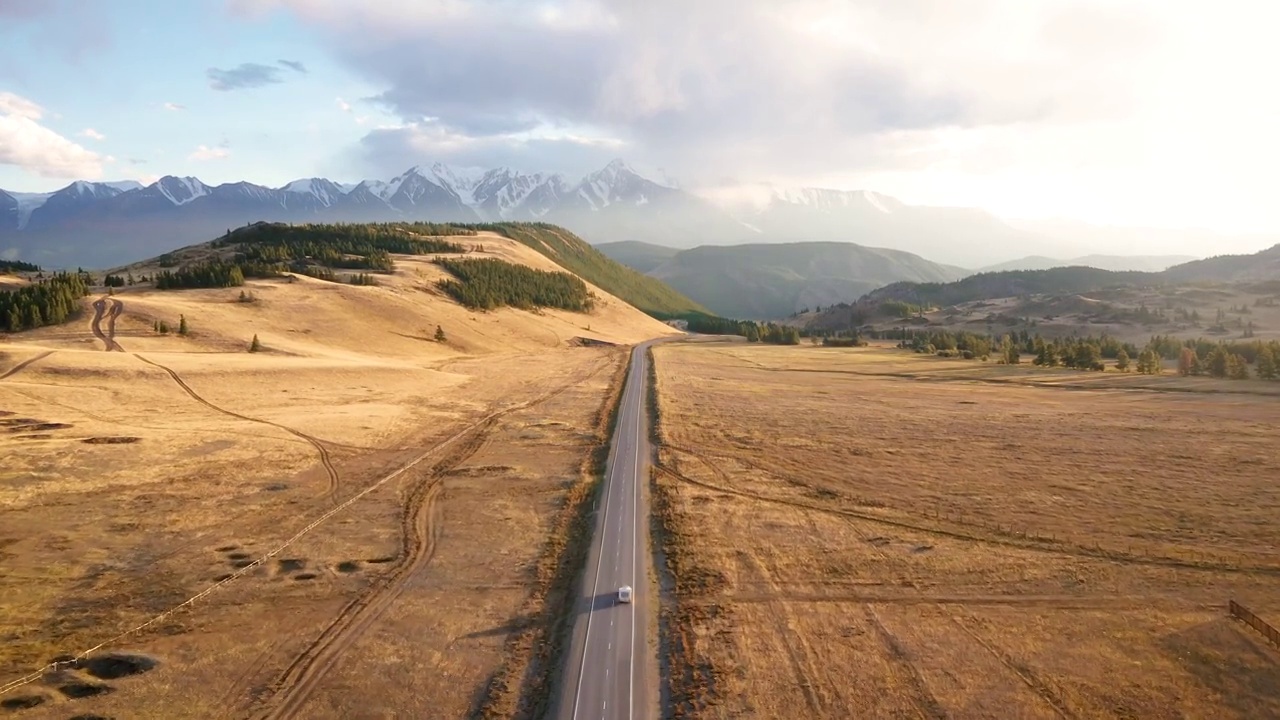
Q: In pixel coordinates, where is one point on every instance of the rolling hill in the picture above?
(636, 254)
(772, 281)
(1118, 263)
(1209, 285)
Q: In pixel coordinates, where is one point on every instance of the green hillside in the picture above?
(577, 256)
(638, 255)
(769, 281)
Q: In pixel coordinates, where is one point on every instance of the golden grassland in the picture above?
(870, 533)
(132, 481)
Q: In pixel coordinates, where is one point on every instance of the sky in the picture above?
(1157, 113)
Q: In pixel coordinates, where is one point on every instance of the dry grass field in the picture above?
(374, 514)
(869, 533)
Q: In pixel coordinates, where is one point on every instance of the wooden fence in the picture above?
(1253, 621)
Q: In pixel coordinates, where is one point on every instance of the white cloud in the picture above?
(204, 152)
(92, 134)
(343, 105)
(27, 144)
(174, 107)
(1131, 111)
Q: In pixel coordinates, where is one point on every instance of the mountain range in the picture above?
(1116, 263)
(761, 281)
(97, 224)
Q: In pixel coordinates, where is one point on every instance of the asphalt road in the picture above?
(610, 657)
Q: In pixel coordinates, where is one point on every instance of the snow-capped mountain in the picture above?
(105, 224)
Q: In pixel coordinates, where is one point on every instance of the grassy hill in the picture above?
(772, 281)
(1225, 296)
(637, 254)
(1119, 263)
(580, 258)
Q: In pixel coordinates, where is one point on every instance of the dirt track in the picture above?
(101, 312)
(20, 366)
(332, 489)
(960, 531)
(420, 522)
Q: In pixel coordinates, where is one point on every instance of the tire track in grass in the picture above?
(330, 491)
(421, 529)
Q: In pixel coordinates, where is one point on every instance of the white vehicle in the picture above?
(624, 594)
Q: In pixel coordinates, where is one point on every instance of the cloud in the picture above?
(204, 152)
(294, 65)
(998, 96)
(243, 76)
(92, 134)
(390, 149)
(343, 105)
(174, 107)
(27, 144)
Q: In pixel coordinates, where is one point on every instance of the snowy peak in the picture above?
(461, 180)
(123, 186)
(180, 190)
(326, 192)
(828, 200)
(617, 183)
(85, 189)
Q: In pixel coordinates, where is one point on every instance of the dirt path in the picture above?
(332, 488)
(969, 532)
(921, 696)
(107, 308)
(22, 365)
(421, 521)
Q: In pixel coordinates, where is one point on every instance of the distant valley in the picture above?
(772, 281)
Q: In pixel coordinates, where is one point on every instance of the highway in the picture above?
(610, 662)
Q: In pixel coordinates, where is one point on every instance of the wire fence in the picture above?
(1244, 614)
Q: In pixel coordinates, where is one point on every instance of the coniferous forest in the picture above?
(211, 274)
(49, 302)
(12, 266)
(488, 283)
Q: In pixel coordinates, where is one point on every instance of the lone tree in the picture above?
(440, 337)
(182, 324)
(1122, 360)
(255, 346)
(1218, 363)
(1187, 361)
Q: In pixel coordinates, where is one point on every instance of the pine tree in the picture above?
(440, 336)
(1237, 368)
(255, 346)
(1149, 362)
(1266, 363)
(1122, 361)
(182, 324)
(1218, 364)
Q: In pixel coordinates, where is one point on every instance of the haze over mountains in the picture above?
(772, 281)
(99, 224)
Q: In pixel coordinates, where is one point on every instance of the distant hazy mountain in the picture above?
(1257, 267)
(1118, 263)
(1114, 240)
(104, 224)
(771, 281)
(638, 255)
